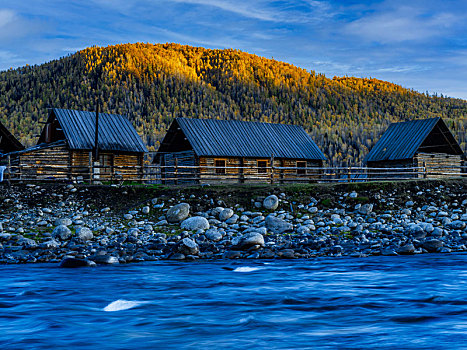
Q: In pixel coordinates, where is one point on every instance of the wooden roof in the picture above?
(116, 133)
(404, 140)
(8, 143)
(233, 138)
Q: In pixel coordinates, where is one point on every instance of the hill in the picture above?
(152, 84)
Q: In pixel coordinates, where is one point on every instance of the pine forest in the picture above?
(154, 83)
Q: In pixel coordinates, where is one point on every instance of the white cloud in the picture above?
(401, 24)
(284, 12)
(6, 17)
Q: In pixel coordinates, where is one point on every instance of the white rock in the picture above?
(276, 225)
(250, 239)
(226, 214)
(195, 223)
(178, 213)
(271, 202)
(188, 247)
(63, 221)
(61, 232)
(213, 235)
(84, 234)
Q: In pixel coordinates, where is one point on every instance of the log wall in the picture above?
(239, 170)
(172, 174)
(439, 165)
(53, 162)
(61, 163)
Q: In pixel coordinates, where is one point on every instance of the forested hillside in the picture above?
(153, 84)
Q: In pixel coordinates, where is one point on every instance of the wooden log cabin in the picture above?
(8, 143)
(64, 149)
(427, 144)
(231, 151)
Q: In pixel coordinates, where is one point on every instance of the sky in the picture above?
(421, 45)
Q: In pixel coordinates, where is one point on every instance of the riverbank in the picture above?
(83, 225)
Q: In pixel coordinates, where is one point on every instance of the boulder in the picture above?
(417, 231)
(188, 247)
(62, 232)
(5, 236)
(457, 225)
(27, 243)
(134, 232)
(104, 259)
(286, 254)
(232, 220)
(407, 249)
(145, 210)
(177, 256)
(432, 245)
(178, 213)
(213, 235)
(313, 210)
(226, 214)
(195, 223)
(277, 226)
(271, 202)
(49, 244)
(70, 262)
(232, 254)
(249, 240)
(365, 209)
(84, 234)
(63, 221)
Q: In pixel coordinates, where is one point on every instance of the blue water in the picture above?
(417, 302)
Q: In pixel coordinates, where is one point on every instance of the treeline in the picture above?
(152, 84)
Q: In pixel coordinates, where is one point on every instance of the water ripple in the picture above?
(415, 302)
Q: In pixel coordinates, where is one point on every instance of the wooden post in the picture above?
(90, 168)
(425, 175)
(272, 169)
(241, 170)
(70, 165)
(197, 170)
(141, 171)
(9, 170)
(348, 174)
(281, 172)
(176, 171)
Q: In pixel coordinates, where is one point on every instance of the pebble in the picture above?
(82, 235)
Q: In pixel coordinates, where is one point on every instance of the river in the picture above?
(413, 302)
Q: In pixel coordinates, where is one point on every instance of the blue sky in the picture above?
(418, 44)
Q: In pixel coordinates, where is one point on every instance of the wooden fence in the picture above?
(175, 174)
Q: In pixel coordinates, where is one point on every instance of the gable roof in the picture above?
(233, 138)
(8, 143)
(116, 133)
(403, 140)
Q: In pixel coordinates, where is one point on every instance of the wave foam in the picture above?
(246, 269)
(120, 304)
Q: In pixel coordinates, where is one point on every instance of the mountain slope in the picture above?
(152, 84)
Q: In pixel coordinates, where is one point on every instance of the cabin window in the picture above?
(262, 166)
(105, 161)
(301, 168)
(220, 166)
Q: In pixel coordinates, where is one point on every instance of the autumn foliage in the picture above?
(153, 84)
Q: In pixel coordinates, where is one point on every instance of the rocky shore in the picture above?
(76, 225)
